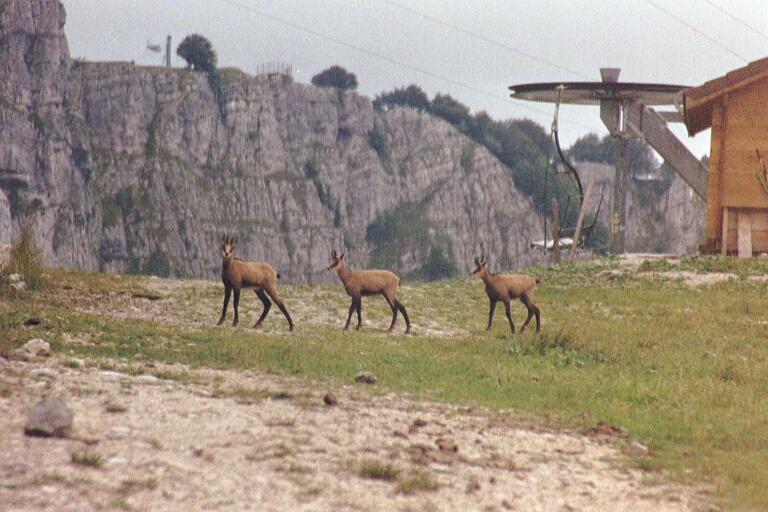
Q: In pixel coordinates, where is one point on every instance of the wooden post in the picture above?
(579, 222)
(556, 232)
(744, 232)
(618, 230)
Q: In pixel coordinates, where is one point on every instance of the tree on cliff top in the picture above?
(198, 52)
(336, 77)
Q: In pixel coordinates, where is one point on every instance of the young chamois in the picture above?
(239, 275)
(361, 283)
(505, 287)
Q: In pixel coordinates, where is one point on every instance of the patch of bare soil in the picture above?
(226, 440)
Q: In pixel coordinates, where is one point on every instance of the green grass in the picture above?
(683, 370)
(87, 458)
(375, 470)
(415, 482)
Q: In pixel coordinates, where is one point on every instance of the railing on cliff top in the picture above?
(275, 68)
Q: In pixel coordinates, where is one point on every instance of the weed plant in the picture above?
(87, 458)
(376, 470)
(26, 259)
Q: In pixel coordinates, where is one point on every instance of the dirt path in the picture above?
(226, 440)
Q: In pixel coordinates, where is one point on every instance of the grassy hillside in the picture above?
(672, 354)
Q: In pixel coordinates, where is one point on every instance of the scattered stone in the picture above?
(636, 448)
(19, 287)
(75, 362)
(446, 445)
(604, 428)
(34, 349)
(366, 377)
(14, 278)
(119, 432)
(49, 418)
(416, 425)
(330, 399)
(44, 374)
(149, 296)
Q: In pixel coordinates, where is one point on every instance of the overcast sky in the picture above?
(471, 49)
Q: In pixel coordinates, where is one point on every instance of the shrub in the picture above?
(413, 96)
(198, 52)
(26, 257)
(407, 230)
(336, 77)
(378, 142)
(375, 470)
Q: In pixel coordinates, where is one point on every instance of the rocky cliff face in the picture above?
(127, 168)
(661, 217)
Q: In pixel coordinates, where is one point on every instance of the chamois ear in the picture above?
(342, 255)
(333, 254)
(234, 240)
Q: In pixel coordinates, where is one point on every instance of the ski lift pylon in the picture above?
(566, 234)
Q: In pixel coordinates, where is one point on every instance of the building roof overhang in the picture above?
(699, 102)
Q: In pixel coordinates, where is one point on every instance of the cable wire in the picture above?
(485, 39)
(704, 35)
(734, 18)
(391, 60)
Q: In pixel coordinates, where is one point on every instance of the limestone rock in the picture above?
(330, 399)
(33, 349)
(366, 377)
(49, 418)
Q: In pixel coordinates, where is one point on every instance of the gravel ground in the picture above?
(226, 440)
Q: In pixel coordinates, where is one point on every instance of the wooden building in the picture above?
(735, 106)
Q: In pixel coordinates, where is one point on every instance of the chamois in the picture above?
(361, 283)
(239, 275)
(505, 287)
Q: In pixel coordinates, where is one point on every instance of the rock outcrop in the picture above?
(142, 169)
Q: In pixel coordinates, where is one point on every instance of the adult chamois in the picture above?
(505, 287)
(239, 275)
(361, 283)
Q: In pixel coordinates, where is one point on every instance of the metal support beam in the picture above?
(610, 114)
(646, 123)
(619, 215)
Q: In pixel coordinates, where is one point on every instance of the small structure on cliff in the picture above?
(734, 107)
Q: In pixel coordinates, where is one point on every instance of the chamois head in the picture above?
(479, 265)
(335, 260)
(228, 245)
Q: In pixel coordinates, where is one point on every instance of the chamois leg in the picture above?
(405, 315)
(359, 314)
(352, 309)
(279, 302)
(490, 315)
(227, 293)
(532, 310)
(393, 305)
(235, 303)
(267, 305)
(509, 316)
